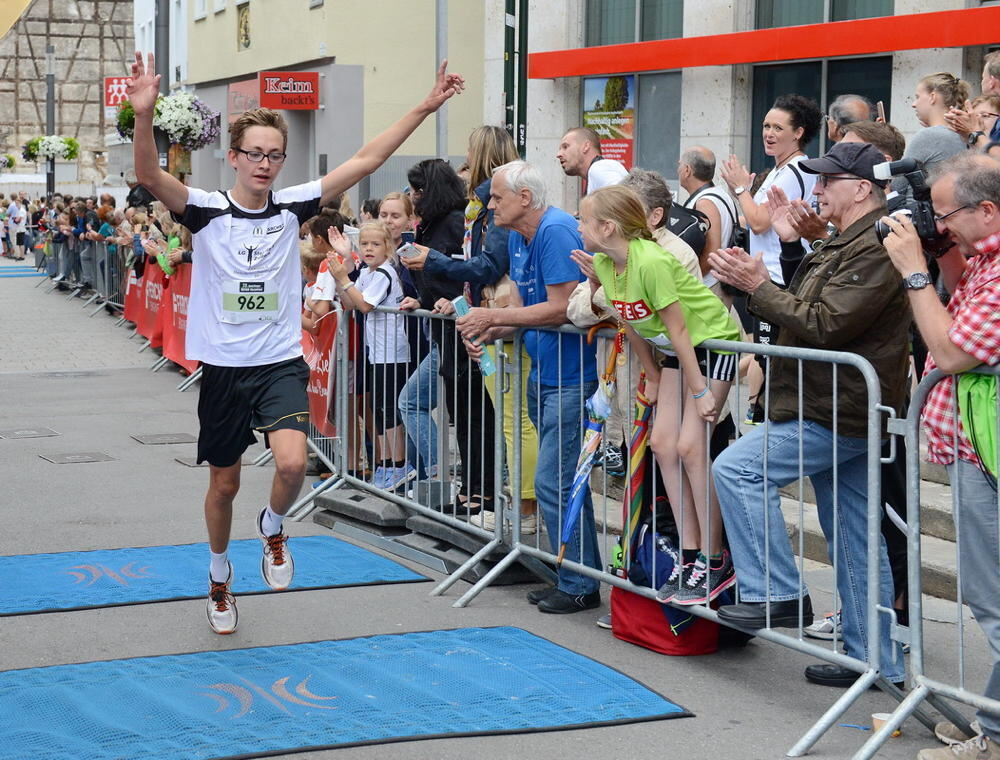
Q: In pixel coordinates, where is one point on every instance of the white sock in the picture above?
(219, 569)
(270, 524)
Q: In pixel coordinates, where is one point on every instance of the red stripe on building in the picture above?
(916, 31)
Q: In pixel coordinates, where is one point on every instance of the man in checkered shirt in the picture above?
(966, 195)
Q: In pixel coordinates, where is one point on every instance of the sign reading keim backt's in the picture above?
(289, 90)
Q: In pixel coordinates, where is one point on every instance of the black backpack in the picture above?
(690, 225)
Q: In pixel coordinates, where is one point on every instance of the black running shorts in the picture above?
(714, 366)
(235, 401)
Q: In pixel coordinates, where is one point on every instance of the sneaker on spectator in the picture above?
(673, 582)
(950, 734)
(381, 476)
(614, 462)
(825, 628)
(529, 523)
(276, 566)
(222, 614)
(977, 748)
(397, 476)
(604, 621)
(704, 582)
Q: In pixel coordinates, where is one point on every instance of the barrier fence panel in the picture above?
(557, 409)
(976, 515)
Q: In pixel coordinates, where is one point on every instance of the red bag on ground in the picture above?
(642, 621)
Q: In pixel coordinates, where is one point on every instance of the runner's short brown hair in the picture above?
(258, 117)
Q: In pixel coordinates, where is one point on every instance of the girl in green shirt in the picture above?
(668, 313)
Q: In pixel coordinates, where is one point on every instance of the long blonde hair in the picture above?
(489, 147)
(623, 208)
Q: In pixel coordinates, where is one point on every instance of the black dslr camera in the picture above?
(918, 207)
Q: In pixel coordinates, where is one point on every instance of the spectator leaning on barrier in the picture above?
(966, 194)
(244, 318)
(563, 370)
(580, 156)
(845, 296)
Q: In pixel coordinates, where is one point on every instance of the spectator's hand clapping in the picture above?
(806, 221)
(735, 173)
(337, 267)
(904, 246)
(778, 208)
(736, 267)
(340, 243)
(964, 121)
(175, 257)
(586, 263)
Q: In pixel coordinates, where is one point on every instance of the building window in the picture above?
(315, 3)
(243, 27)
(612, 22)
(220, 5)
(822, 81)
(200, 9)
(776, 13)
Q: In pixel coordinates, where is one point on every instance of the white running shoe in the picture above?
(276, 566)
(825, 628)
(222, 614)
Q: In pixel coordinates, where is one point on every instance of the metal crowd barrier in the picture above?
(925, 685)
(507, 534)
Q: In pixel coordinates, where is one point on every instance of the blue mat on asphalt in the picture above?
(112, 577)
(296, 698)
(7, 276)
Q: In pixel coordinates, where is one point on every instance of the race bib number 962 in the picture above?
(249, 301)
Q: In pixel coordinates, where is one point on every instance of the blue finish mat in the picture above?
(5, 275)
(274, 700)
(111, 577)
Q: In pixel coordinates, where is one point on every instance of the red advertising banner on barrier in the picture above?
(134, 301)
(153, 285)
(174, 316)
(318, 351)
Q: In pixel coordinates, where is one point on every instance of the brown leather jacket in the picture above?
(845, 296)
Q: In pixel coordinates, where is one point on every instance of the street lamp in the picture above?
(50, 114)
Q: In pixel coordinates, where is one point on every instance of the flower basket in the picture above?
(185, 119)
(44, 147)
(7, 161)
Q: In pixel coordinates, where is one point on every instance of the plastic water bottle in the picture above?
(486, 365)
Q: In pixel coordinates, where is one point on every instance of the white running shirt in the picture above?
(246, 281)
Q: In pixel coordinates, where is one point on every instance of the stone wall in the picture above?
(92, 39)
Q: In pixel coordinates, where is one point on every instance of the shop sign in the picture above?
(289, 90)
(242, 96)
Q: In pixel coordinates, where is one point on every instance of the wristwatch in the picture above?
(974, 138)
(916, 281)
(737, 191)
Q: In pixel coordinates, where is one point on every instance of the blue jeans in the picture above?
(739, 481)
(416, 400)
(979, 546)
(557, 414)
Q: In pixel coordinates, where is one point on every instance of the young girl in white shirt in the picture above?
(385, 341)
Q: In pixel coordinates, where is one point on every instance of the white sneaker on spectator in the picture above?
(825, 628)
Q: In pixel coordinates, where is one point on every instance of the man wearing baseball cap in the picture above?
(845, 296)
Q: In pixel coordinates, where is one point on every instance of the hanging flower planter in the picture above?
(185, 119)
(7, 161)
(51, 146)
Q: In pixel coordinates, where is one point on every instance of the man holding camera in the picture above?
(965, 191)
(845, 296)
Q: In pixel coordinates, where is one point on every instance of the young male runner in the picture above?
(243, 318)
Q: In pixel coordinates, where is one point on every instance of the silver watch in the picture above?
(916, 281)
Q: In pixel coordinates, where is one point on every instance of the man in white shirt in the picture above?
(696, 174)
(580, 156)
(17, 227)
(244, 312)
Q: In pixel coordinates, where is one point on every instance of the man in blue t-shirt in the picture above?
(563, 366)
